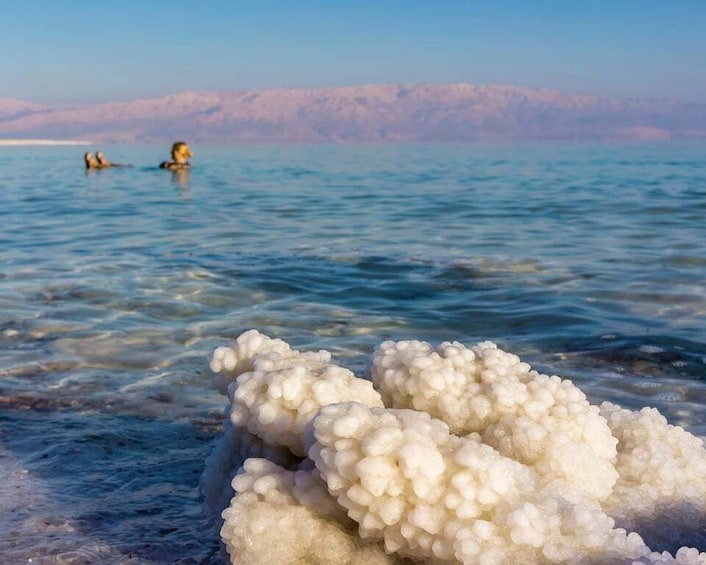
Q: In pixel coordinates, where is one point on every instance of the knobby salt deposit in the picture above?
(450, 455)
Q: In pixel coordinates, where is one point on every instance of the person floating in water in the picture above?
(180, 154)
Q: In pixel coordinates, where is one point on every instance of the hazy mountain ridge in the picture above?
(456, 112)
(11, 109)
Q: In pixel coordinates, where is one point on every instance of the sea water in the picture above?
(588, 261)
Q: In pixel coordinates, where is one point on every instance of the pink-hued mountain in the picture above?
(11, 108)
(456, 112)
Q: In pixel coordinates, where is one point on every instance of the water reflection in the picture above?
(181, 180)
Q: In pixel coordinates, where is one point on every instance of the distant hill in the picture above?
(11, 109)
(456, 112)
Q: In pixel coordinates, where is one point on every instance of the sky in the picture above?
(70, 52)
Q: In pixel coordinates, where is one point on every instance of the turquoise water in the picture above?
(587, 261)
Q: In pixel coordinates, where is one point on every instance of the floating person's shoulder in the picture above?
(180, 153)
(173, 166)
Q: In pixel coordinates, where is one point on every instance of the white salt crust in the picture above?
(288, 517)
(404, 478)
(530, 472)
(229, 361)
(276, 391)
(536, 419)
(662, 476)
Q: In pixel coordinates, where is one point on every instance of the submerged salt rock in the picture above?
(661, 490)
(653, 452)
(230, 452)
(539, 420)
(287, 517)
(429, 494)
(684, 556)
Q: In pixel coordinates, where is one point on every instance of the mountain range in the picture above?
(365, 113)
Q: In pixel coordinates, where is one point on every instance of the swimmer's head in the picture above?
(181, 152)
(100, 157)
(88, 159)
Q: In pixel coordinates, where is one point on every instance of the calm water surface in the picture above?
(587, 261)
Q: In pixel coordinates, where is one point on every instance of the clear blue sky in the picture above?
(66, 51)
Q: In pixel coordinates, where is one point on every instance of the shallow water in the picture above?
(587, 261)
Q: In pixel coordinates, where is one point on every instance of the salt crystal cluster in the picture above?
(229, 361)
(276, 391)
(662, 473)
(542, 421)
(404, 478)
(283, 517)
(473, 458)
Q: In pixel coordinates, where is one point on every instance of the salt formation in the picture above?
(662, 472)
(227, 362)
(536, 419)
(282, 516)
(476, 459)
(277, 390)
(232, 450)
(403, 477)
